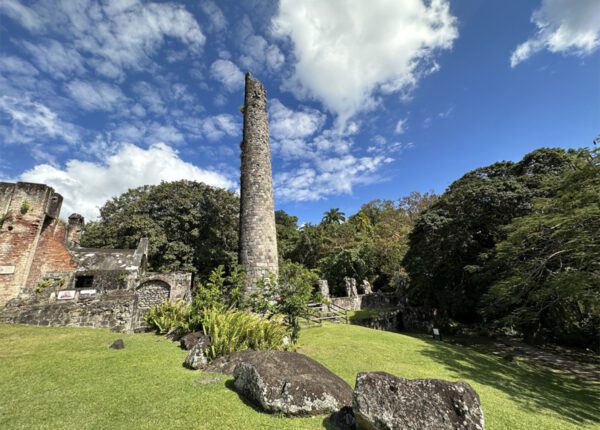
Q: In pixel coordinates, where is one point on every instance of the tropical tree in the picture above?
(191, 226)
(453, 241)
(333, 216)
(547, 270)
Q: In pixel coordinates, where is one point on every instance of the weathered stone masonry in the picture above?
(46, 278)
(258, 234)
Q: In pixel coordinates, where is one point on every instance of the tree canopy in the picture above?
(454, 240)
(191, 226)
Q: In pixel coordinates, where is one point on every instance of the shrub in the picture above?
(236, 330)
(289, 296)
(220, 290)
(169, 315)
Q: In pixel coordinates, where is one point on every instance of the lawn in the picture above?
(68, 378)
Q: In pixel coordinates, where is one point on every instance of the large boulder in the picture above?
(197, 357)
(290, 383)
(384, 402)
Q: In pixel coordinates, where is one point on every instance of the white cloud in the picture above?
(86, 186)
(286, 123)
(95, 95)
(147, 132)
(32, 121)
(228, 74)
(337, 175)
(27, 17)
(116, 35)
(400, 126)
(56, 59)
(218, 126)
(257, 53)
(566, 26)
(349, 51)
(215, 15)
(14, 65)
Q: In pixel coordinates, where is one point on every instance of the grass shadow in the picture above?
(532, 388)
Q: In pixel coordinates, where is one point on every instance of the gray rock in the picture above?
(188, 341)
(290, 383)
(196, 358)
(226, 363)
(118, 344)
(384, 402)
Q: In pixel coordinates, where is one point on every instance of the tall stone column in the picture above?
(258, 235)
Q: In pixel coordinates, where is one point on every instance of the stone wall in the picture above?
(258, 235)
(112, 309)
(26, 209)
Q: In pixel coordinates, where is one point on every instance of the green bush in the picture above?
(289, 296)
(236, 330)
(171, 315)
(221, 290)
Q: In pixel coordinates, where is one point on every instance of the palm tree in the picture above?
(333, 216)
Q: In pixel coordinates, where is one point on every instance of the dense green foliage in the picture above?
(68, 378)
(547, 270)
(221, 290)
(454, 240)
(169, 316)
(191, 226)
(236, 330)
(368, 245)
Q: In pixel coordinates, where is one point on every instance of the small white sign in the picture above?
(86, 294)
(436, 332)
(7, 270)
(66, 295)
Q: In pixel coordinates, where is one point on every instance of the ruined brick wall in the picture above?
(51, 254)
(24, 208)
(258, 235)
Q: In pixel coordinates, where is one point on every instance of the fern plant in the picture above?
(170, 315)
(236, 330)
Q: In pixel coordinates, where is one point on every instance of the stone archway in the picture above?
(152, 292)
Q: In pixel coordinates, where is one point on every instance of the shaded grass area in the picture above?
(68, 378)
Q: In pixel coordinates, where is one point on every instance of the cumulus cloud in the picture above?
(566, 26)
(349, 51)
(86, 186)
(400, 126)
(257, 53)
(289, 124)
(228, 74)
(95, 95)
(29, 121)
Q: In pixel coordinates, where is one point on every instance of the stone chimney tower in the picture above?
(74, 230)
(258, 235)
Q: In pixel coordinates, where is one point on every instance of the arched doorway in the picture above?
(152, 293)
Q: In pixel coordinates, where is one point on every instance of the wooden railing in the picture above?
(316, 313)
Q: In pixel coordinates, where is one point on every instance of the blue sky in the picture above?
(367, 99)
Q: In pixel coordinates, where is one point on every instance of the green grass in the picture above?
(68, 378)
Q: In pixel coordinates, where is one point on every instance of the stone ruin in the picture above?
(258, 234)
(46, 278)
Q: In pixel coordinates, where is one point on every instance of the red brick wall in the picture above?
(51, 254)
